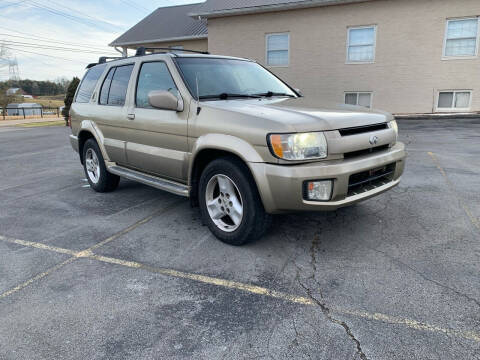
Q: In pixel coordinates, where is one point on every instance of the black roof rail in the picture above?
(103, 59)
(141, 51)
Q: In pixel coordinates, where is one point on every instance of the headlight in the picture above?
(302, 146)
(393, 125)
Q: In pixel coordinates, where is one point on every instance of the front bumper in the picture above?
(281, 186)
(74, 142)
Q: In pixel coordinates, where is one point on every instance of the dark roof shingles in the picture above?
(165, 23)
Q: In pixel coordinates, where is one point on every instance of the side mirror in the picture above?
(165, 100)
(299, 92)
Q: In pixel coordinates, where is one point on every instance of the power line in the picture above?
(65, 15)
(51, 47)
(13, 4)
(82, 13)
(55, 41)
(135, 6)
(46, 38)
(50, 56)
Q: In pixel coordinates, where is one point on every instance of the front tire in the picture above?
(96, 172)
(230, 204)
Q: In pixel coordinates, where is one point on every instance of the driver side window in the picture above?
(153, 76)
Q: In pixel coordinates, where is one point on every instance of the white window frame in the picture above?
(445, 57)
(358, 93)
(453, 109)
(266, 49)
(347, 61)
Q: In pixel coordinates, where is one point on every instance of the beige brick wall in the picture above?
(408, 69)
(197, 45)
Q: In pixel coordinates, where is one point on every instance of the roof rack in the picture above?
(141, 51)
(103, 59)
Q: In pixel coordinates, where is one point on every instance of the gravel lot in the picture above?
(134, 275)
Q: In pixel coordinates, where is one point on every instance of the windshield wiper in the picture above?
(272, 93)
(224, 96)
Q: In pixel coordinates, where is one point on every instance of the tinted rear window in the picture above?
(119, 85)
(88, 83)
(106, 87)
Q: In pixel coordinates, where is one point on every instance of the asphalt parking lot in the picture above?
(133, 274)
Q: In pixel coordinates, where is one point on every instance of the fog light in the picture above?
(320, 190)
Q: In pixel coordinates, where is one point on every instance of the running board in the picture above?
(156, 182)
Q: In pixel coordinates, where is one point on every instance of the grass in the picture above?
(43, 123)
(47, 101)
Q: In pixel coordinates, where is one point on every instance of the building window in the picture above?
(461, 38)
(454, 100)
(361, 44)
(362, 98)
(278, 49)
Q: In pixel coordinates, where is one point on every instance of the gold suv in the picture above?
(229, 134)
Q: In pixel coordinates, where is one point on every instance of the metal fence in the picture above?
(29, 112)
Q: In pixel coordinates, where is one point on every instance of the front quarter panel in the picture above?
(227, 143)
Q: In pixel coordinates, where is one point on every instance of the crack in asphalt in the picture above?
(425, 277)
(321, 303)
(326, 312)
(379, 215)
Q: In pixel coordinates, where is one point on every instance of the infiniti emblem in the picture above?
(373, 140)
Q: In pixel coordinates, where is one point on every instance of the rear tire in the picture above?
(230, 204)
(96, 172)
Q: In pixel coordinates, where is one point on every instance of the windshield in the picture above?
(223, 78)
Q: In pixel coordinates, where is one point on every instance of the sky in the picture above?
(35, 31)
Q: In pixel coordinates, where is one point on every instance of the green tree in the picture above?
(69, 97)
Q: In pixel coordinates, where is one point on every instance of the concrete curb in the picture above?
(456, 116)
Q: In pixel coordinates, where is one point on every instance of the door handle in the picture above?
(131, 116)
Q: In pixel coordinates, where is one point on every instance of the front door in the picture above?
(157, 141)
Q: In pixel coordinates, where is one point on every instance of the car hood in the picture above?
(301, 114)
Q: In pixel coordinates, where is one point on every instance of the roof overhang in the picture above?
(273, 7)
(143, 42)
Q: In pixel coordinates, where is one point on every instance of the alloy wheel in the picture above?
(224, 203)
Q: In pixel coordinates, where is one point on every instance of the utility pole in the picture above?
(6, 59)
(13, 72)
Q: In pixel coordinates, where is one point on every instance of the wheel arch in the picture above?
(214, 146)
(88, 130)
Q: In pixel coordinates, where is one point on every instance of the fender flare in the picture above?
(244, 151)
(90, 127)
(228, 143)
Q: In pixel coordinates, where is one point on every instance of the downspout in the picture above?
(122, 51)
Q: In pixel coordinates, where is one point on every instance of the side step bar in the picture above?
(156, 182)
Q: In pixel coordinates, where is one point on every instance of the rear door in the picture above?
(112, 115)
(157, 141)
